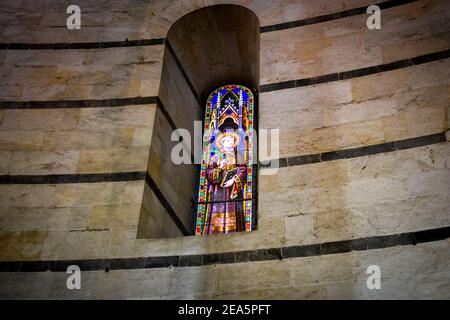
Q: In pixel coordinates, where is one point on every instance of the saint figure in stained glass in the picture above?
(225, 177)
(225, 190)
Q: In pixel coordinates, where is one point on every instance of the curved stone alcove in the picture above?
(204, 49)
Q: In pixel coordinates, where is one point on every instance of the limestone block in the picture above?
(32, 196)
(125, 244)
(44, 219)
(22, 245)
(433, 183)
(178, 186)
(321, 174)
(424, 213)
(21, 140)
(142, 137)
(81, 91)
(400, 163)
(33, 89)
(398, 127)
(95, 194)
(40, 119)
(336, 58)
(283, 53)
(429, 98)
(241, 276)
(39, 92)
(76, 244)
(377, 85)
(113, 160)
(192, 280)
(34, 75)
(43, 162)
(359, 112)
(45, 57)
(155, 221)
(92, 139)
(11, 92)
(299, 107)
(306, 292)
(439, 155)
(174, 92)
(433, 286)
(131, 284)
(5, 161)
(270, 225)
(269, 234)
(89, 285)
(133, 56)
(364, 192)
(401, 271)
(114, 217)
(151, 222)
(149, 87)
(405, 260)
(341, 290)
(33, 285)
(117, 117)
(321, 269)
(415, 47)
(288, 201)
(301, 142)
(391, 289)
(129, 89)
(192, 245)
(426, 75)
(357, 222)
(299, 229)
(148, 71)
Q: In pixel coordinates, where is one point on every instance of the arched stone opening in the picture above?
(206, 48)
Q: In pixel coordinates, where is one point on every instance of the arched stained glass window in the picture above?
(225, 202)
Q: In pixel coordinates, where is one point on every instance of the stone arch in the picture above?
(204, 49)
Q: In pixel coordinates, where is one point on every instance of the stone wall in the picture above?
(80, 127)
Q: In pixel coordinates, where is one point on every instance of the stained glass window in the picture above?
(226, 185)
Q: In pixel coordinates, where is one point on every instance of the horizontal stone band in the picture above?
(61, 104)
(160, 41)
(74, 104)
(332, 16)
(361, 244)
(81, 45)
(360, 151)
(436, 56)
(283, 162)
(72, 178)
